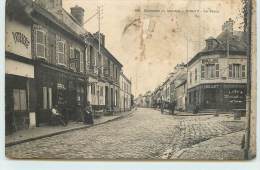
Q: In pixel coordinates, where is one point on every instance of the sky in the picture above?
(150, 37)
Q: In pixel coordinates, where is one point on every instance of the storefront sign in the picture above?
(21, 38)
(235, 95)
(209, 61)
(211, 86)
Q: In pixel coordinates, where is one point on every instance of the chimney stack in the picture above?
(228, 26)
(78, 13)
(102, 38)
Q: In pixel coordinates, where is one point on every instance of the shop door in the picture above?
(210, 100)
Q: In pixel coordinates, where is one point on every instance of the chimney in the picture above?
(228, 26)
(78, 13)
(102, 38)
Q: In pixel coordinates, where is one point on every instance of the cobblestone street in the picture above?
(146, 134)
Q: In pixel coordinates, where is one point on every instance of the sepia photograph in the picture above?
(130, 80)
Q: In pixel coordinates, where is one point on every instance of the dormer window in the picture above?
(210, 44)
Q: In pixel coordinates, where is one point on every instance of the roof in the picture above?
(123, 75)
(52, 18)
(94, 42)
(236, 41)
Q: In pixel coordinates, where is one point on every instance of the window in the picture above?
(217, 70)
(101, 91)
(72, 53)
(81, 62)
(230, 70)
(41, 40)
(93, 89)
(20, 100)
(202, 71)
(196, 74)
(60, 49)
(190, 77)
(236, 70)
(211, 71)
(210, 44)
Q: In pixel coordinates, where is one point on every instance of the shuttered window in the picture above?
(230, 70)
(202, 71)
(60, 48)
(20, 100)
(41, 40)
(243, 71)
(217, 70)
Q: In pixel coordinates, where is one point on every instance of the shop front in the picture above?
(220, 97)
(61, 88)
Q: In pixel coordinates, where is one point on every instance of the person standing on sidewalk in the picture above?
(162, 107)
(88, 117)
(173, 105)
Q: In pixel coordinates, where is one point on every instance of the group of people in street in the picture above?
(171, 106)
(58, 117)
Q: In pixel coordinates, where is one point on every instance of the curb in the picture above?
(65, 131)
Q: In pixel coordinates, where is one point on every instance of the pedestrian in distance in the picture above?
(162, 107)
(173, 105)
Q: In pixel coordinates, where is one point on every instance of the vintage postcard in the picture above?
(130, 79)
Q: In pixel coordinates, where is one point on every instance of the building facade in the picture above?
(125, 93)
(19, 69)
(217, 75)
(104, 74)
(51, 60)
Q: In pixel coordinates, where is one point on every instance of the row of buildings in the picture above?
(52, 60)
(213, 80)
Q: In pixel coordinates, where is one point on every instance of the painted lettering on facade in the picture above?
(21, 38)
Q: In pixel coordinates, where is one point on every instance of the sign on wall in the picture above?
(209, 61)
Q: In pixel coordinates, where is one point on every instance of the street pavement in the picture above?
(146, 134)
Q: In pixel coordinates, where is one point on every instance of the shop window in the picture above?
(243, 71)
(20, 100)
(60, 48)
(202, 71)
(41, 40)
(217, 70)
(47, 98)
(50, 97)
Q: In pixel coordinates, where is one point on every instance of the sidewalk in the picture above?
(47, 131)
(178, 113)
(227, 147)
